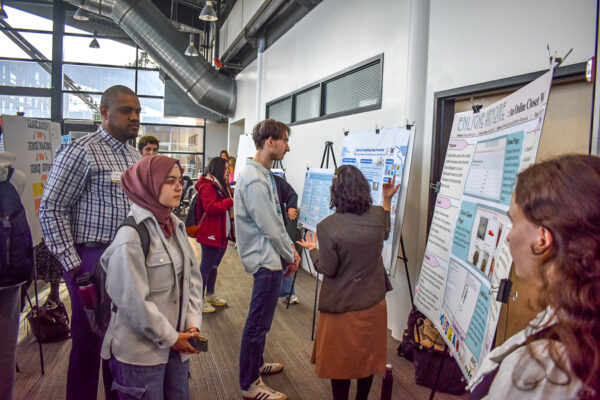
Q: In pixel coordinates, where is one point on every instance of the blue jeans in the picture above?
(84, 359)
(265, 293)
(286, 286)
(168, 381)
(211, 258)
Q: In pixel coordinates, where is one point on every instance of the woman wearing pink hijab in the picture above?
(158, 299)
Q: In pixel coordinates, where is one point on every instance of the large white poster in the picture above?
(380, 156)
(467, 253)
(34, 142)
(246, 149)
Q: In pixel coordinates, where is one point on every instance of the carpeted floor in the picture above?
(214, 375)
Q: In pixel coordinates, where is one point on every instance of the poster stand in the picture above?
(327, 154)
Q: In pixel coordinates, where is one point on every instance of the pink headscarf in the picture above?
(142, 182)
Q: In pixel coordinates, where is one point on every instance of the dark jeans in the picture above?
(265, 293)
(211, 258)
(341, 388)
(168, 381)
(84, 360)
(10, 304)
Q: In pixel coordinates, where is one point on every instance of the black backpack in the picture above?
(16, 246)
(99, 317)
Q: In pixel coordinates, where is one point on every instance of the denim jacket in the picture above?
(262, 240)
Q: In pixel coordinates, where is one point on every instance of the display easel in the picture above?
(327, 153)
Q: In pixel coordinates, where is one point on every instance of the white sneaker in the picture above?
(270, 368)
(259, 391)
(207, 308)
(293, 299)
(215, 300)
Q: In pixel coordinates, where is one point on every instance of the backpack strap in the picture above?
(11, 170)
(142, 231)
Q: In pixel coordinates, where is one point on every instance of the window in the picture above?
(76, 49)
(281, 111)
(25, 74)
(89, 78)
(307, 104)
(356, 89)
(37, 107)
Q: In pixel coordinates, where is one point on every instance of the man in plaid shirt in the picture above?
(81, 208)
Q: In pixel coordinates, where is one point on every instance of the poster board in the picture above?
(380, 156)
(467, 254)
(316, 198)
(34, 143)
(246, 149)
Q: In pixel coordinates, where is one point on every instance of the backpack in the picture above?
(422, 344)
(194, 217)
(16, 246)
(99, 316)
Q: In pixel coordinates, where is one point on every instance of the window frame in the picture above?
(321, 84)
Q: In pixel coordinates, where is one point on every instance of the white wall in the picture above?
(428, 46)
(216, 138)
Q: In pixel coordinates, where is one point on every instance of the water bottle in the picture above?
(387, 383)
(87, 290)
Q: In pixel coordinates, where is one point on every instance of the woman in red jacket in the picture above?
(216, 224)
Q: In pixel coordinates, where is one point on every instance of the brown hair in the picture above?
(563, 195)
(350, 191)
(266, 129)
(145, 141)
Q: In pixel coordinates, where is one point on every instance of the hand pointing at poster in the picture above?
(388, 190)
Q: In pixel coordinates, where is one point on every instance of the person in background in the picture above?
(224, 154)
(352, 328)
(158, 299)
(81, 208)
(265, 249)
(555, 245)
(288, 202)
(16, 263)
(148, 145)
(231, 171)
(215, 227)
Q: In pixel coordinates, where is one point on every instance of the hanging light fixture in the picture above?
(208, 13)
(94, 43)
(2, 12)
(191, 51)
(81, 14)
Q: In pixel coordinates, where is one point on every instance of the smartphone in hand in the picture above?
(199, 343)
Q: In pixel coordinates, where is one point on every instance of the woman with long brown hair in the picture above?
(555, 244)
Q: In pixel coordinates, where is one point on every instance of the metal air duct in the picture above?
(155, 34)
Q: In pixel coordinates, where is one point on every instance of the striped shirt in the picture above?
(83, 200)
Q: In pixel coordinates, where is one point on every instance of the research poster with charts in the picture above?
(34, 143)
(380, 156)
(467, 253)
(314, 206)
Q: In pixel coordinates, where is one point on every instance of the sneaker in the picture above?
(259, 391)
(293, 299)
(214, 300)
(270, 368)
(207, 308)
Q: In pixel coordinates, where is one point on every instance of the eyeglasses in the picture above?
(172, 181)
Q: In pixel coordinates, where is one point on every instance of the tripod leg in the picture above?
(289, 297)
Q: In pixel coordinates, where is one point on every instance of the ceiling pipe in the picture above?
(154, 33)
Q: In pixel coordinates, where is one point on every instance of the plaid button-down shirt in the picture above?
(83, 200)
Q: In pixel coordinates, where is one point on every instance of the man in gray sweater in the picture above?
(265, 248)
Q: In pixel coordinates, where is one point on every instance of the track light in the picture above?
(81, 14)
(208, 13)
(191, 51)
(2, 12)
(94, 43)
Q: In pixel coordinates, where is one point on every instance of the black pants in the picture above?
(341, 388)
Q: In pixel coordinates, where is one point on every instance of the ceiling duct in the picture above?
(154, 33)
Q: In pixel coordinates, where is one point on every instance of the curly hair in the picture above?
(146, 140)
(350, 191)
(563, 195)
